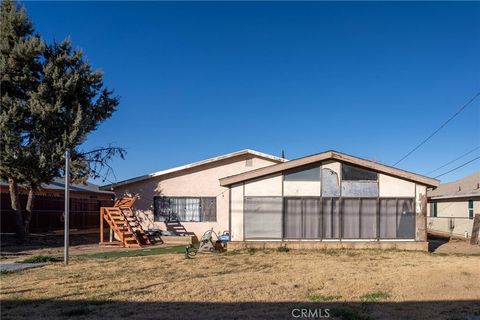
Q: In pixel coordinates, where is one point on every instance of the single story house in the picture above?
(452, 207)
(189, 199)
(328, 199)
(48, 206)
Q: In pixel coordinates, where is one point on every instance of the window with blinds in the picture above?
(186, 209)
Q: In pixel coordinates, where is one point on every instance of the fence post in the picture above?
(67, 206)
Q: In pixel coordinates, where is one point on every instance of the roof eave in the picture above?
(328, 155)
(196, 164)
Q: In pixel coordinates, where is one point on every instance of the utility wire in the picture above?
(460, 166)
(450, 162)
(439, 128)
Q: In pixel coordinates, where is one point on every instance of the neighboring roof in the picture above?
(328, 155)
(196, 164)
(59, 184)
(465, 187)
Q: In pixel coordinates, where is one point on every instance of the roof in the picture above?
(59, 184)
(198, 163)
(329, 155)
(465, 187)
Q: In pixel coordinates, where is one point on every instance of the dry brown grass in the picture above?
(248, 283)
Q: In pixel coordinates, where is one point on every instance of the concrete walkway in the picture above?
(12, 266)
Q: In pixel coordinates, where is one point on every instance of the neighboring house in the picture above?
(328, 200)
(324, 200)
(48, 206)
(191, 193)
(452, 206)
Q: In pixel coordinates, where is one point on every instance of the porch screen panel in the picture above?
(405, 219)
(312, 219)
(351, 218)
(388, 218)
(368, 219)
(263, 217)
(293, 218)
(330, 218)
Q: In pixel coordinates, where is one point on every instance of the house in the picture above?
(48, 207)
(189, 199)
(328, 199)
(452, 207)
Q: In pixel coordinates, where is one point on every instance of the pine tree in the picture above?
(51, 100)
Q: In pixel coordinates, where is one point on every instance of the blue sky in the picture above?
(198, 80)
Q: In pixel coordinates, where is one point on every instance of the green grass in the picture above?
(133, 253)
(375, 296)
(40, 259)
(6, 271)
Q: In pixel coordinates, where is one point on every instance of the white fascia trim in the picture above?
(198, 163)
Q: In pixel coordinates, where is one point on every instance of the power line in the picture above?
(460, 166)
(439, 128)
(446, 164)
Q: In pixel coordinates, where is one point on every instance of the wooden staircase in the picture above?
(124, 224)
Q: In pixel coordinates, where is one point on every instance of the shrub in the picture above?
(41, 259)
(374, 296)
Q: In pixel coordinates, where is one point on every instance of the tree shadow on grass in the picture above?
(107, 309)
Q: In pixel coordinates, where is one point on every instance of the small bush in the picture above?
(252, 250)
(6, 271)
(283, 249)
(375, 296)
(41, 259)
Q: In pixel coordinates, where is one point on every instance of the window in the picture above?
(312, 174)
(433, 209)
(185, 209)
(330, 183)
(360, 189)
(357, 174)
(263, 217)
(470, 209)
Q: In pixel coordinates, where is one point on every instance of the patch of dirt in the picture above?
(453, 247)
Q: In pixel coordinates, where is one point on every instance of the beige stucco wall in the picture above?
(236, 224)
(301, 188)
(452, 209)
(198, 181)
(393, 187)
(441, 226)
(268, 186)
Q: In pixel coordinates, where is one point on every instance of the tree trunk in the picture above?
(28, 211)
(15, 202)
